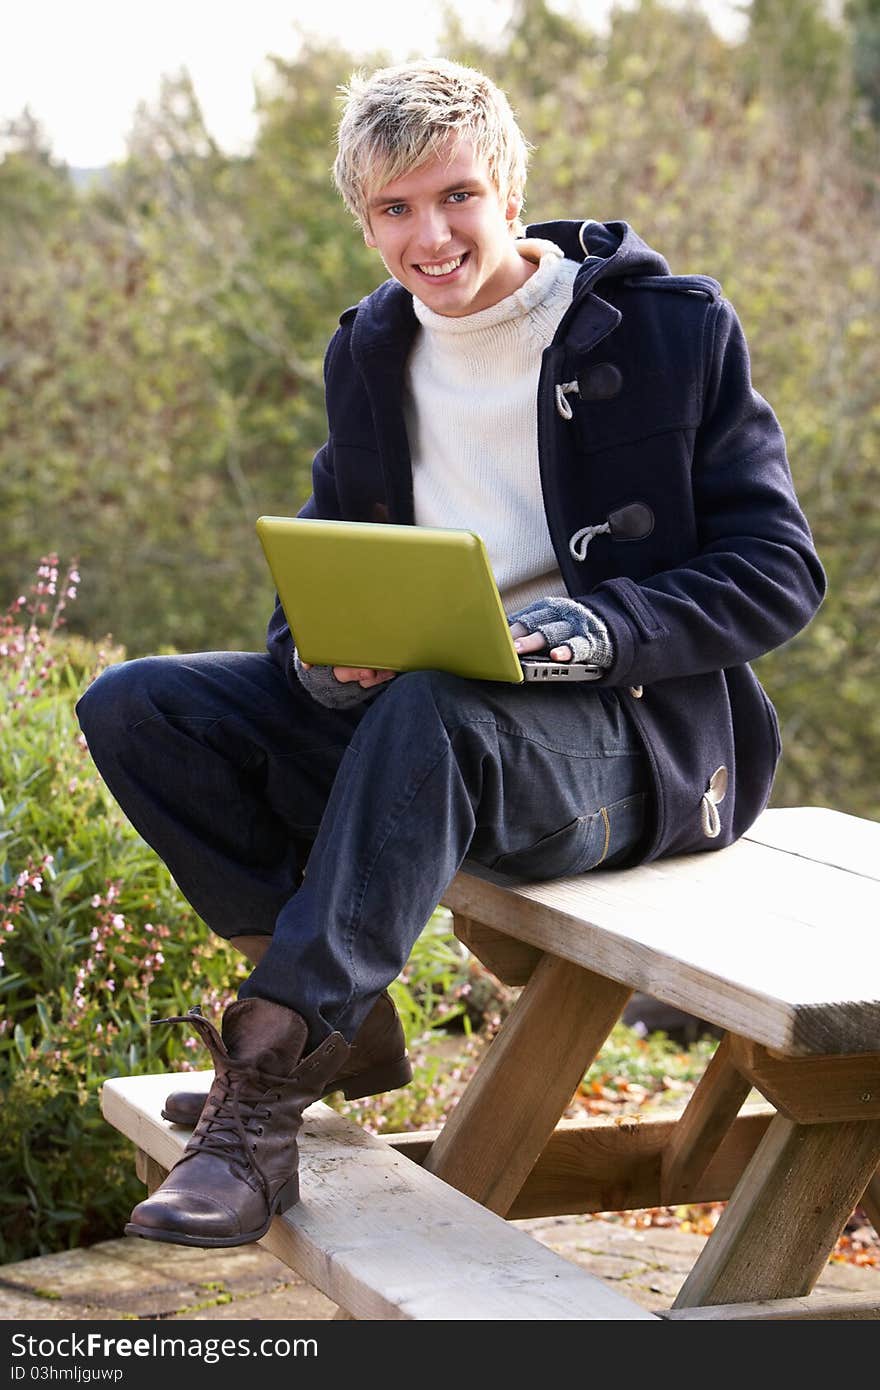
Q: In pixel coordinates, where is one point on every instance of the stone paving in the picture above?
(138, 1279)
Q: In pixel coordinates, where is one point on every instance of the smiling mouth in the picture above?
(444, 269)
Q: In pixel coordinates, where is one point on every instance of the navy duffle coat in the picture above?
(645, 409)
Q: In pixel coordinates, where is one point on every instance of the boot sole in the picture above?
(287, 1197)
(386, 1077)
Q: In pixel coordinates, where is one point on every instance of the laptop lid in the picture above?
(405, 598)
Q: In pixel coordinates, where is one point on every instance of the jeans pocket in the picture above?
(583, 844)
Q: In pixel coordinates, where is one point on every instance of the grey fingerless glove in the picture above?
(323, 686)
(563, 620)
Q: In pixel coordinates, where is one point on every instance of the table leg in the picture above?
(151, 1173)
(785, 1214)
(711, 1111)
(494, 1136)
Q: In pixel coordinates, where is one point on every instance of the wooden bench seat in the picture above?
(381, 1236)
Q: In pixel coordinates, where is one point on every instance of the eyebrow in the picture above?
(461, 186)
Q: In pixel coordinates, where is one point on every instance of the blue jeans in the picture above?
(238, 782)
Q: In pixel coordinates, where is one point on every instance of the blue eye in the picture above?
(394, 209)
(461, 195)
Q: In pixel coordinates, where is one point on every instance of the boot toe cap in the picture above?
(183, 1213)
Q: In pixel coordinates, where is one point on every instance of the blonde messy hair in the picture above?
(401, 117)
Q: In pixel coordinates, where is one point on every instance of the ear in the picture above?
(514, 204)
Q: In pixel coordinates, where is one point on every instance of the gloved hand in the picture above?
(323, 686)
(562, 622)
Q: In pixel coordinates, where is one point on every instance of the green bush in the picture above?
(95, 941)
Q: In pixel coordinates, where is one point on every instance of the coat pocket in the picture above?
(583, 844)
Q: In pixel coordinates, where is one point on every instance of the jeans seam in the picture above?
(209, 719)
(628, 752)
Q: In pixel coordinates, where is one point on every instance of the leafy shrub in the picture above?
(95, 940)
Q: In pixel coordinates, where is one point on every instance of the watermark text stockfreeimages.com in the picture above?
(97, 1345)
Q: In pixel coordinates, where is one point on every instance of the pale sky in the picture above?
(82, 66)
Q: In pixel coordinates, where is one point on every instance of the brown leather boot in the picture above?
(240, 1166)
(376, 1062)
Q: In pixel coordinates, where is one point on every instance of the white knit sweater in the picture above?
(473, 429)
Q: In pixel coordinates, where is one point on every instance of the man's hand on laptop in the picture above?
(365, 677)
(528, 643)
(567, 629)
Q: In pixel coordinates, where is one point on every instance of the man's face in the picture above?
(443, 232)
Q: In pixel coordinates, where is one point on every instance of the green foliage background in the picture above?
(163, 331)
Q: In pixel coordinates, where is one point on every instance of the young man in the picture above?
(592, 417)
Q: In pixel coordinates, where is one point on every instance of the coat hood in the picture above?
(606, 250)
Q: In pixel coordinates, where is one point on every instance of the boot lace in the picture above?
(238, 1103)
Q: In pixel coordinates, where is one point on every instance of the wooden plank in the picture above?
(614, 1164)
(385, 1239)
(493, 1137)
(738, 937)
(711, 1111)
(511, 961)
(788, 1210)
(829, 1307)
(826, 836)
(812, 1090)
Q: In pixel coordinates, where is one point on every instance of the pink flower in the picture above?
(160, 959)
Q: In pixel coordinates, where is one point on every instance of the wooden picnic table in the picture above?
(777, 941)
(774, 940)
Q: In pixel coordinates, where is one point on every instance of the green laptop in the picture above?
(403, 598)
